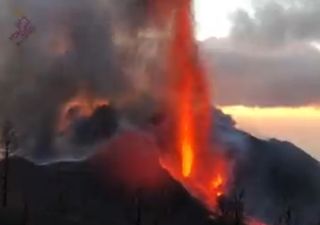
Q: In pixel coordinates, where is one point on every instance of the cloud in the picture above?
(269, 58)
(278, 22)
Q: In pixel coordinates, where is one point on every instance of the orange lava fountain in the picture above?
(194, 162)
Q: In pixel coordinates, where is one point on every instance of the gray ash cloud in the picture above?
(74, 47)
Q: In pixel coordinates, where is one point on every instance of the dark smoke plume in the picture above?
(77, 45)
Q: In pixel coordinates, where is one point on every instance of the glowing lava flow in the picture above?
(195, 163)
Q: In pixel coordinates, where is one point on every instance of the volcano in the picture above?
(79, 193)
(88, 151)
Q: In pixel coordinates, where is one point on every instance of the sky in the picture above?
(263, 62)
(212, 16)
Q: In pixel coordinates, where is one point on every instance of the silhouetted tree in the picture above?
(25, 213)
(231, 209)
(8, 139)
(286, 217)
(138, 208)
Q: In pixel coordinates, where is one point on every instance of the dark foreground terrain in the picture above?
(274, 177)
(73, 193)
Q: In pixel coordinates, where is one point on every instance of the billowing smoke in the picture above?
(78, 46)
(227, 135)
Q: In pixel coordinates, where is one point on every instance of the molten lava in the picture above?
(191, 159)
(80, 106)
(186, 130)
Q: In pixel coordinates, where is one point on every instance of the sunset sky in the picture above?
(263, 59)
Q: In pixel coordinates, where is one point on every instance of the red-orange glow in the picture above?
(187, 159)
(217, 181)
(186, 131)
(132, 157)
(253, 221)
(191, 159)
(82, 105)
